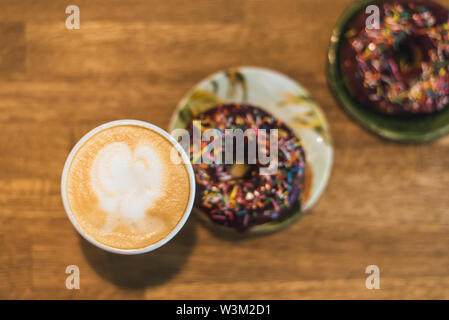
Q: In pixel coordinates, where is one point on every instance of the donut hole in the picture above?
(250, 166)
(409, 56)
(241, 171)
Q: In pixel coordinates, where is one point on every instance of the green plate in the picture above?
(418, 128)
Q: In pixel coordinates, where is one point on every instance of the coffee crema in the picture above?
(124, 189)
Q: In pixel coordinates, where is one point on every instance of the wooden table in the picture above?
(386, 204)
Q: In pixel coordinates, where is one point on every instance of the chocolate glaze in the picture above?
(349, 65)
(289, 179)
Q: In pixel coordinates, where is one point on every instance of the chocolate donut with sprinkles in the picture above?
(237, 195)
(401, 67)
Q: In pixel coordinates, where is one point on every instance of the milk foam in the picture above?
(126, 182)
(123, 190)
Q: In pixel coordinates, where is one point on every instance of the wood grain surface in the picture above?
(386, 203)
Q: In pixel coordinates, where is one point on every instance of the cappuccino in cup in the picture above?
(124, 191)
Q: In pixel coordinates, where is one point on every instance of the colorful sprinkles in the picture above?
(237, 195)
(419, 86)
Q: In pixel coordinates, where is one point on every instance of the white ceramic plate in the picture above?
(278, 95)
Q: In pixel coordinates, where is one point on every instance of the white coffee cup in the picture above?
(185, 159)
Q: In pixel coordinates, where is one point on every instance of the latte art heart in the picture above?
(124, 191)
(126, 182)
